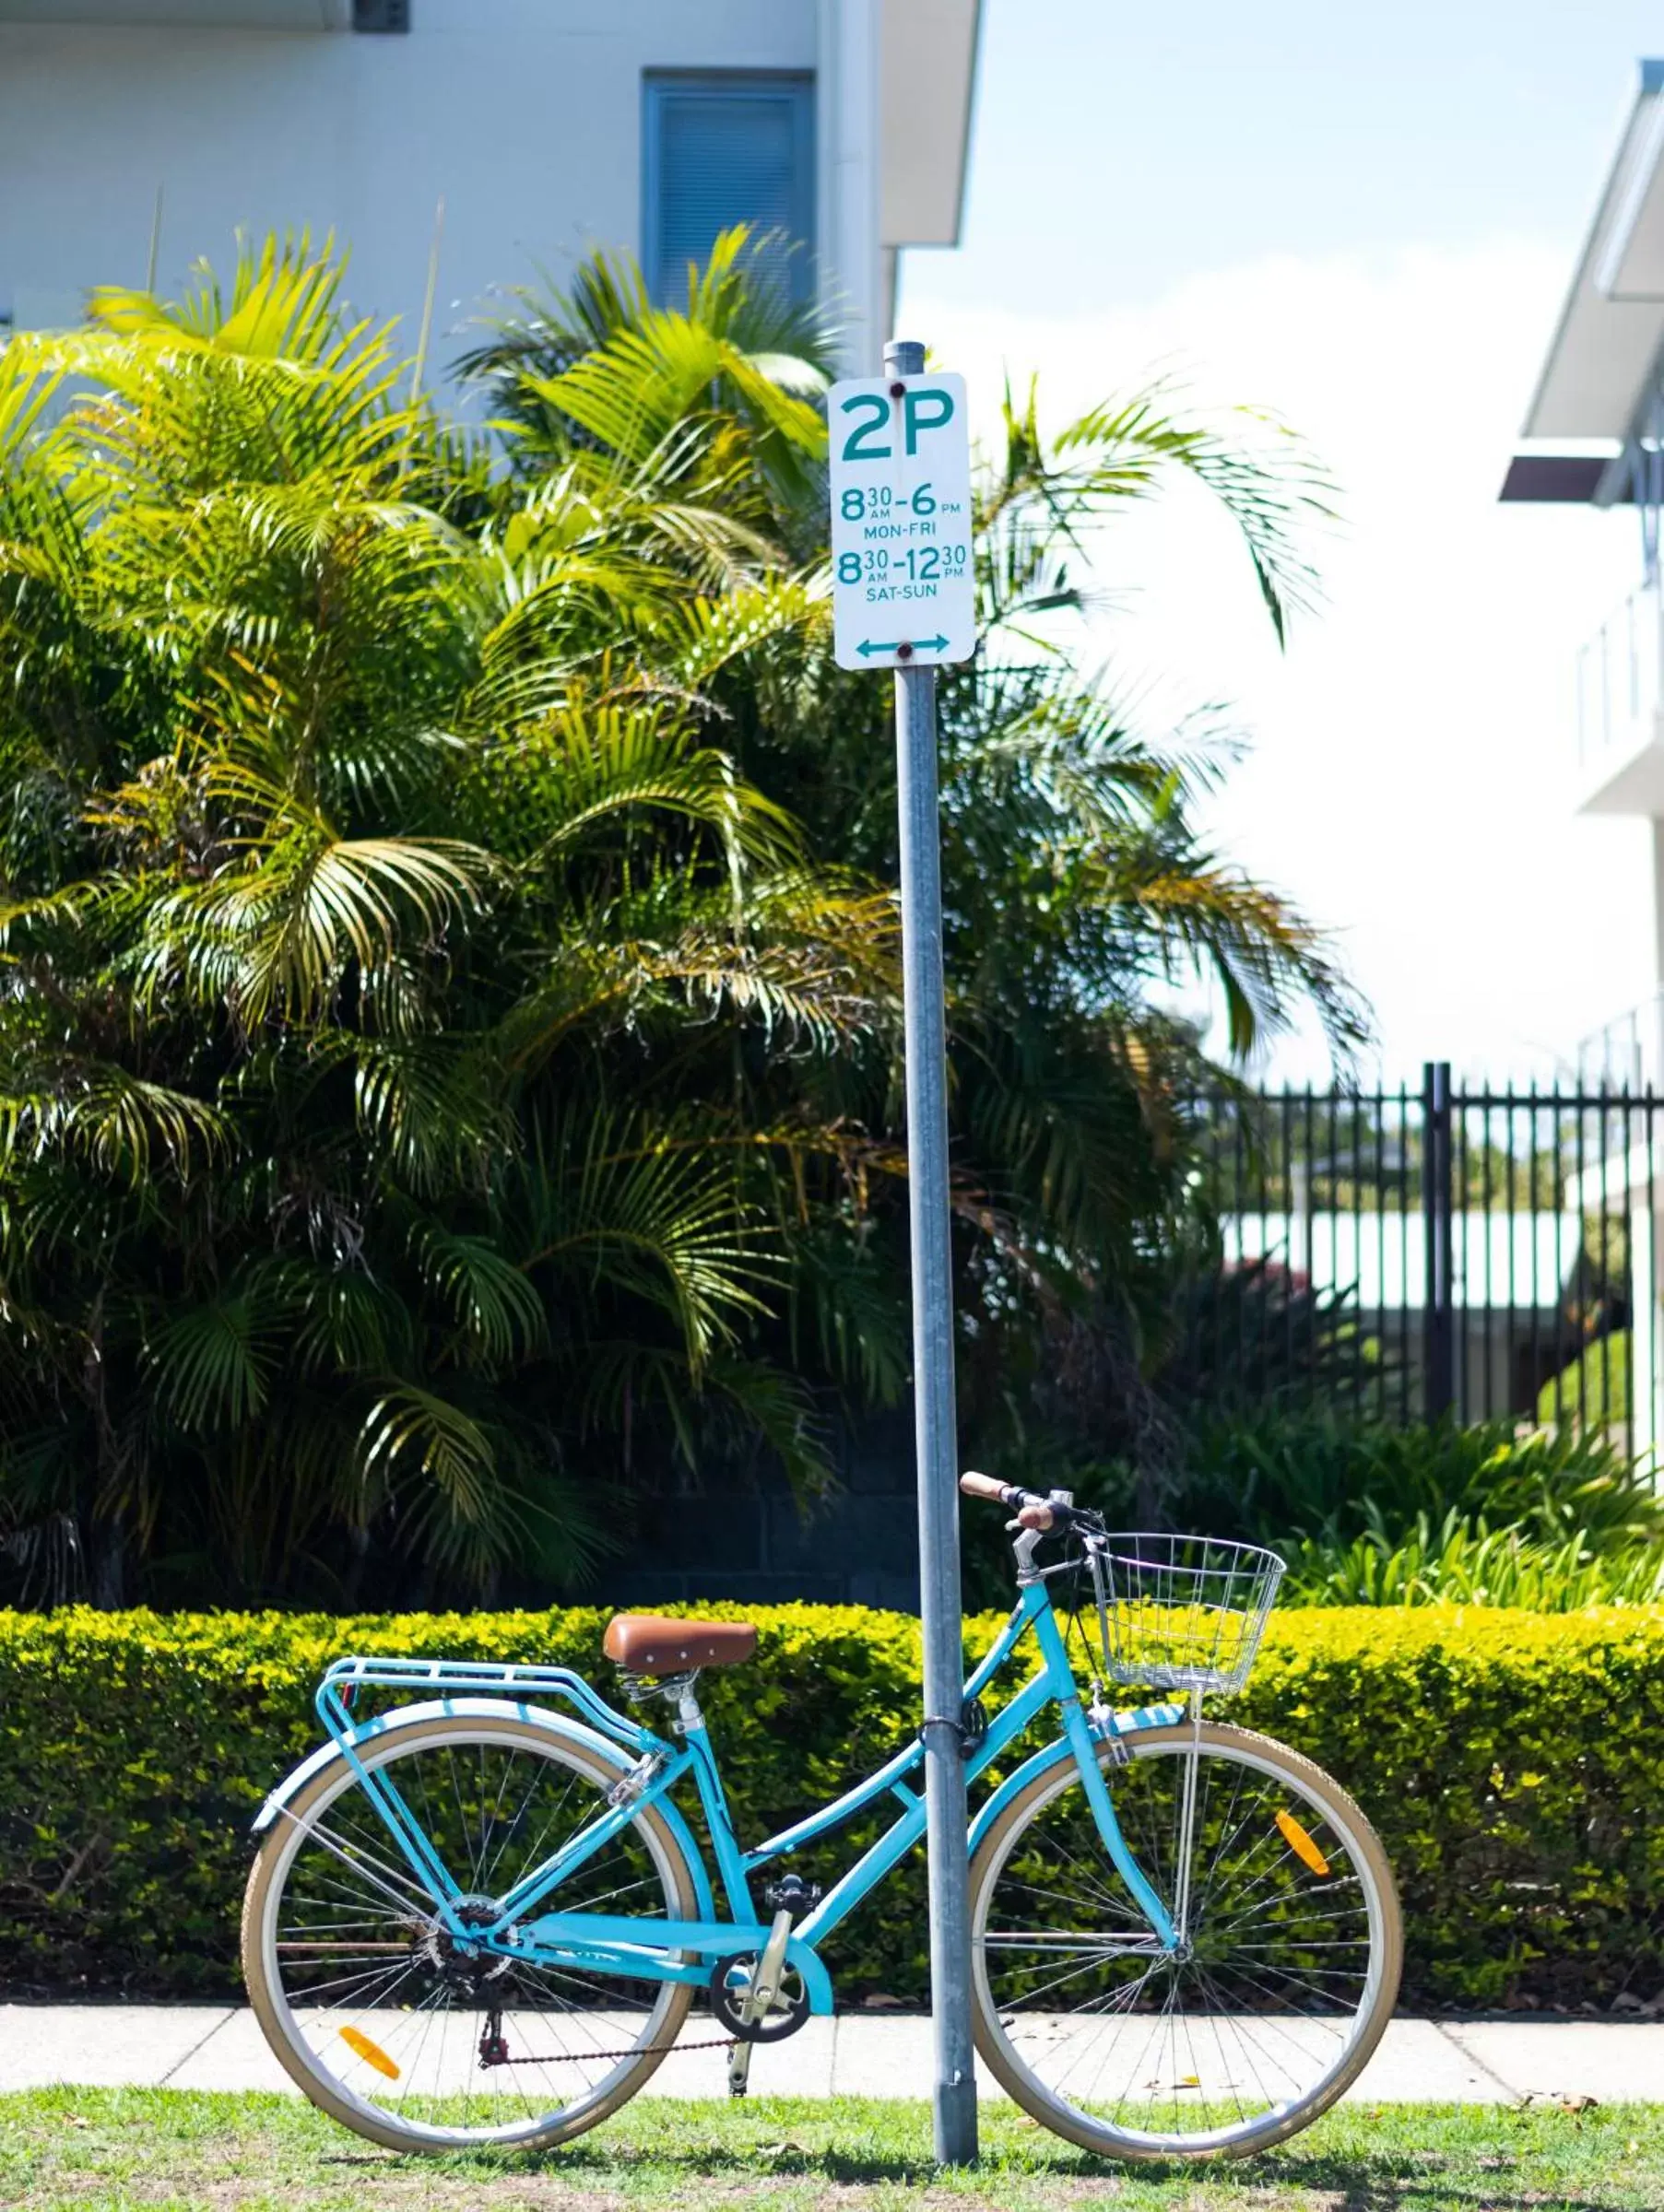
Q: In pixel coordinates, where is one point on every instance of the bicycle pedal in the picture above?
(792, 1894)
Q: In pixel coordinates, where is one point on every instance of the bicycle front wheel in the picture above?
(383, 2016)
(1282, 1985)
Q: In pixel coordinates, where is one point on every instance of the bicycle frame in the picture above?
(687, 1950)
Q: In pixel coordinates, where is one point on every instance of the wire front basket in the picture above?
(1181, 1612)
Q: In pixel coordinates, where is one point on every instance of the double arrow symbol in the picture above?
(869, 646)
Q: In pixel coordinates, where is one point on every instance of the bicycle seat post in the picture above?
(677, 1691)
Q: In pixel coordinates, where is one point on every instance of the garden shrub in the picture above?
(1462, 1560)
(1591, 1390)
(1369, 1514)
(1513, 1764)
(1284, 1473)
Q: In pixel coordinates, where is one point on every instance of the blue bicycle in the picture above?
(480, 1920)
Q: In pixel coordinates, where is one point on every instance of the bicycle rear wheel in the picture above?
(372, 2007)
(1283, 1985)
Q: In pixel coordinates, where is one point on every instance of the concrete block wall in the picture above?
(738, 1533)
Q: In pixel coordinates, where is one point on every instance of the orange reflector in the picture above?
(1300, 1843)
(372, 2053)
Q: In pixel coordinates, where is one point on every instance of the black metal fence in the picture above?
(1408, 1252)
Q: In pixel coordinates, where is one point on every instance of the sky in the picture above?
(1364, 220)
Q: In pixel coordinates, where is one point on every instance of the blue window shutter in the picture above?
(722, 149)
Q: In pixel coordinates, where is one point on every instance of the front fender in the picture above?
(1125, 1723)
(487, 1709)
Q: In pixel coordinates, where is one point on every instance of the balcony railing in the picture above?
(1627, 1053)
(1621, 681)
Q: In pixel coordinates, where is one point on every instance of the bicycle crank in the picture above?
(771, 2004)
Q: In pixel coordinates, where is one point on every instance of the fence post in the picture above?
(1438, 1315)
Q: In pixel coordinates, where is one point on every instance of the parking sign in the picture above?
(904, 589)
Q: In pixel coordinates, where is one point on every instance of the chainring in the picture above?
(789, 2011)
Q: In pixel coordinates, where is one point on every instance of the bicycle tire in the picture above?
(345, 2091)
(1336, 1832)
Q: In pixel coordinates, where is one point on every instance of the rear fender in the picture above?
(487, 1708)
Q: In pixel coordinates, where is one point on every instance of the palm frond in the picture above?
(1259, 471)
(440, 1465)
(627, 1208)
(125, 1126)
(432, 1105)
(215, 1362)
(281, 929)
(738, 297)
(497, 1312)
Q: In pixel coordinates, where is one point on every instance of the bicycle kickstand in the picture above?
(759, 1999)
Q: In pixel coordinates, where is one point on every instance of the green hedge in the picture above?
(1514, 1763)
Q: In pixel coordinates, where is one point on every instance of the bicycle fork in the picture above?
(1180, 1901)
(1083, 1742)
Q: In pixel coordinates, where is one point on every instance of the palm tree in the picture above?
(442, 1076)
(741, 350)
(1078, 892)
(365, 862)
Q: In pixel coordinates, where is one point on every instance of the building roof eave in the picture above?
(927, 89)
(1557, 480)
(1611, 326)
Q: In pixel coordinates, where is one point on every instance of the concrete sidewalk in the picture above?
(856, 2054)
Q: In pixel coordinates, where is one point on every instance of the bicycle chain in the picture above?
(572, 2058)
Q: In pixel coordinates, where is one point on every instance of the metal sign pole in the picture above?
(954, 2095)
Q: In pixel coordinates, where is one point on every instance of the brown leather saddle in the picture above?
(643, 1643)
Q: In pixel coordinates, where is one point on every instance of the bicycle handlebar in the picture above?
(984, 1486)
(1031, 1509)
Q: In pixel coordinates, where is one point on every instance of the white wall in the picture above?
(849, 189)
(524, 115)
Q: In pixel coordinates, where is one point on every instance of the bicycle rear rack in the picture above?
(344, 1680)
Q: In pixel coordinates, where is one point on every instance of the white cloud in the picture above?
(1410, 777)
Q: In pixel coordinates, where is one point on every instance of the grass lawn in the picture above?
(164, 2149)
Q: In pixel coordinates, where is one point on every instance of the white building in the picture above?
(1595, 433)
(545, 127)
(1594, 429)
